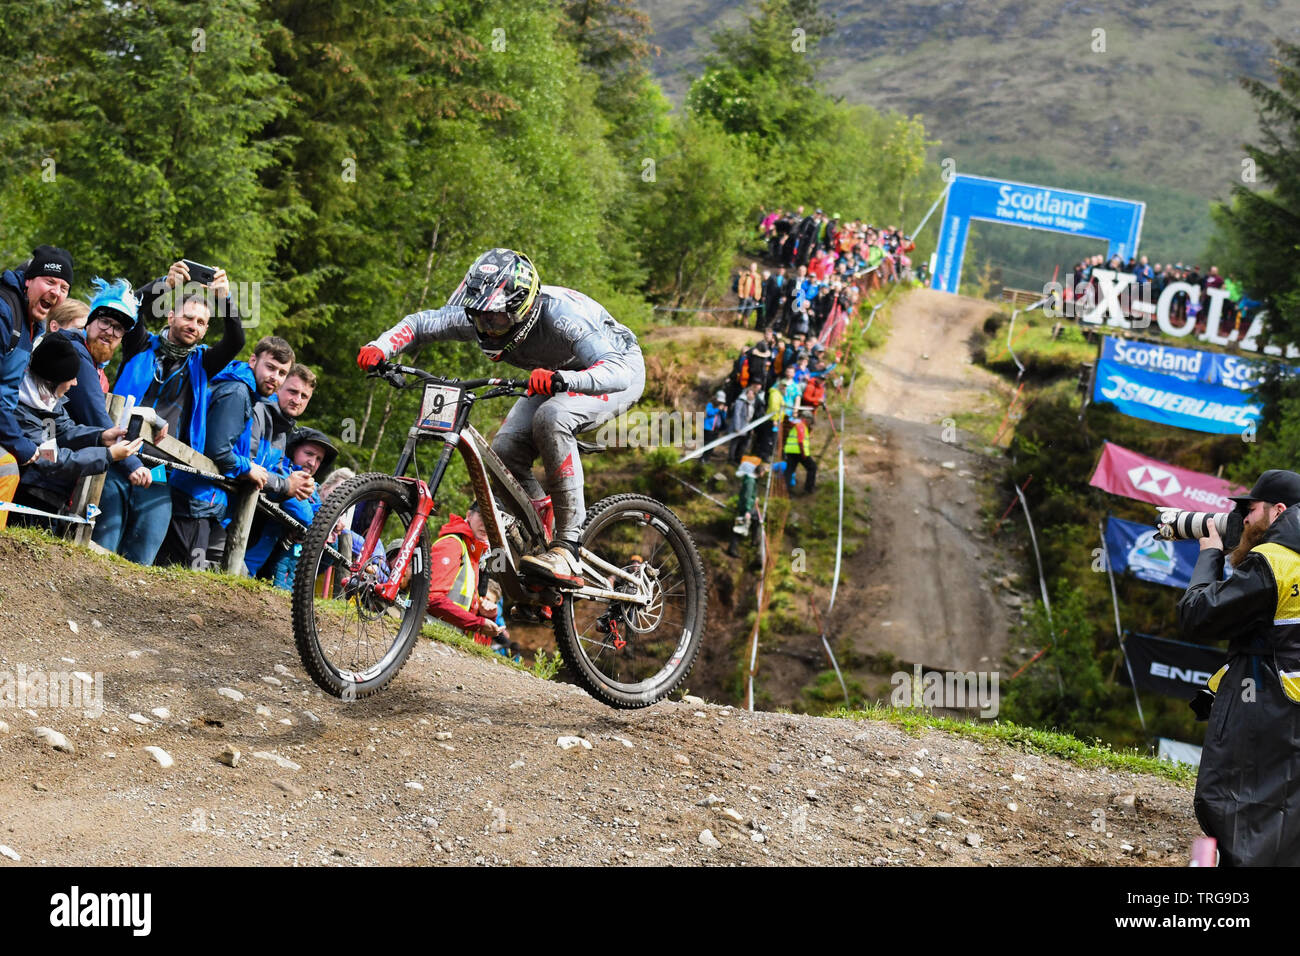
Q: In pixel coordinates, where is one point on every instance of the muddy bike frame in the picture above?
(484, 467)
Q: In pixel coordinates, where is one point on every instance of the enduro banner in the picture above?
(1139, 550)
(1172, 668)
(1188, 365)
(1124, 472)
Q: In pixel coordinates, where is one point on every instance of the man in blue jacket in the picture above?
(275, 554)
(27, 294)
(169, 372)
(197, 533)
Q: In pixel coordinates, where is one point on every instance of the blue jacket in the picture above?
(136, 377)
(15, 353)
(229, 438)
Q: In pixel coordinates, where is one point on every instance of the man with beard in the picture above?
(27, 294)
(169, 372)
(113, 314)
(1246, 796)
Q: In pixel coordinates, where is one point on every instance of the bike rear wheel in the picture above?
(651, 648)
(352, 641)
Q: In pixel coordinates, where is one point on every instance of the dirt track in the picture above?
(929, 598)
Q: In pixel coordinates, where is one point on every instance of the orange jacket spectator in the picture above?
(453, 575)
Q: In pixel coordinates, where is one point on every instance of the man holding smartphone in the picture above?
(168, 371)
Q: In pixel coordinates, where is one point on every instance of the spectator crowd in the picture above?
(242, 414)
(821, 266)
(1150, 282)
(819, 269)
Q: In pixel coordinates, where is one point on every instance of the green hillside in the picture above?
(1015, 89)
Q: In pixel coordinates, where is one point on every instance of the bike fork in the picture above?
(423, 508)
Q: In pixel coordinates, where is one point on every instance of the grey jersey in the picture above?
(574, 335)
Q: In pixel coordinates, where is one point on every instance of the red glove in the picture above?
(545, 382)
(369, 357)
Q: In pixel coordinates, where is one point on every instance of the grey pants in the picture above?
(548, 427)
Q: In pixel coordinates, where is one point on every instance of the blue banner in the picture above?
(1137, 548)
(1172, 400)
(1190, 365)
(1118, 222)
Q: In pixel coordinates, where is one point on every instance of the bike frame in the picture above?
(483, 466)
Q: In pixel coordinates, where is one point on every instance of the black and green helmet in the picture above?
(501, 294)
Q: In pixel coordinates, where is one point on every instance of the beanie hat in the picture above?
(50, 261)
(115, 301)
(55, 360)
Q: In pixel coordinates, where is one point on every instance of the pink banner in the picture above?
(1124, 472)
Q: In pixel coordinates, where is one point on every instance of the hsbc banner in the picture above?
(1172, 668)
(1124, 472)
(1189, 365)
(1164, 398)
(1137, 548)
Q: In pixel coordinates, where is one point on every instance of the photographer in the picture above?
(1246, 797)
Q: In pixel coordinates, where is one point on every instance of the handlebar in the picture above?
(394, 375)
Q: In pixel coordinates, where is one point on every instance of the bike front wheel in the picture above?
(352, 640)
(632, 655)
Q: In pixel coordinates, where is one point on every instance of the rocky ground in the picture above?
(467, 761)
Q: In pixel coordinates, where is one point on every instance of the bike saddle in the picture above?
(590, 448)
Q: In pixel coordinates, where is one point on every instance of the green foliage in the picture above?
(352, 158)
(760, 86)
(545, 665)
(1064, 687)
(694, 214)
(154, 131)
(1260, 229)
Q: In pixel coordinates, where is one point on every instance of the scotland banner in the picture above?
(1137, 548)
(1169, 399)
(1190, 365)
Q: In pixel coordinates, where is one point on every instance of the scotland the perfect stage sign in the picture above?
(1117, 221)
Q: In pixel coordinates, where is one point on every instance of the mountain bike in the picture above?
(629, 635)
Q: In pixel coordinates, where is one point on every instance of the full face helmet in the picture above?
(501, 294)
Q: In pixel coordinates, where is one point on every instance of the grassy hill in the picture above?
(1015, 89)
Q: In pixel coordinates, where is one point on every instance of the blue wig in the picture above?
(117, 300)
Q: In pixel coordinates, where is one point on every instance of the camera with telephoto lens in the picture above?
(1175, 524)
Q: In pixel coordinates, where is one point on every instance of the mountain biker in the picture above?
(586, 369)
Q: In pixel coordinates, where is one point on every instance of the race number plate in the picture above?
(438, 409)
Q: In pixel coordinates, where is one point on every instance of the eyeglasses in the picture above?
(111, 328)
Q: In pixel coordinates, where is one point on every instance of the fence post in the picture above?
(237, 533)
(87, 493)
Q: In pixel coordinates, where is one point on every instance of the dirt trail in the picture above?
(458, 762)
(928, 600)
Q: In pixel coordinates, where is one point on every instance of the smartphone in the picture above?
(200, 273)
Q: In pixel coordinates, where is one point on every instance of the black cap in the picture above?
(55, 360)
(50, 261)
(1273, 486)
